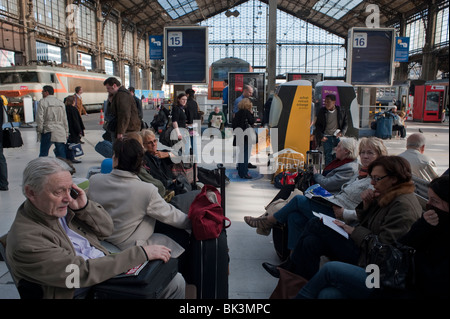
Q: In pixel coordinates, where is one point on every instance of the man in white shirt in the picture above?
(422, 166)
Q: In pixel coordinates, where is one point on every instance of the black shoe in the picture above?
(250, 165)
(75, 161)
(272, 269)
(247, 177)
(4, 188)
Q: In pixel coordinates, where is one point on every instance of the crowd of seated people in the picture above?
(388, 211)
(57, 225)
(430, 279)
(299, 209)
(127, 207)
(339, 171)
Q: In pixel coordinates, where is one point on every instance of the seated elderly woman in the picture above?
(135, 206)
(342, 205)
(387, 211)
(159, 162)
(428, 235)
(338, 172)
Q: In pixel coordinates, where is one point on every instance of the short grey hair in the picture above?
(37, 171)
(351, 145)
(415, 141)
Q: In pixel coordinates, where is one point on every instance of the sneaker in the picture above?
(75, 161)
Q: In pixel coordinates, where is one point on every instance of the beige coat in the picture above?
(135, 206)
(51, 117)
(38, 249)
(422, 165)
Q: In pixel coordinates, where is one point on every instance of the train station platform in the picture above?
(247, 250)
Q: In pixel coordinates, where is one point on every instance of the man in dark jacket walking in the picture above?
(331, 124)
(123, 109)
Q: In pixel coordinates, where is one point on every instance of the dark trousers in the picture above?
(243, 167)
(401, 129)
(319, 240)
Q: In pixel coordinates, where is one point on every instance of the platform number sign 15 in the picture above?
(175, 39)
(360, 40)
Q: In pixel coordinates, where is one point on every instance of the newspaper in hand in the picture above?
(216, 121)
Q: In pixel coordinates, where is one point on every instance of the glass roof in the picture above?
(178, 8)
(335, 8)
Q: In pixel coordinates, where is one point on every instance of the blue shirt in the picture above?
(236, 102)
(225, 95)
(82, 246)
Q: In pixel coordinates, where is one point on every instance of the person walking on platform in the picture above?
(79, 101)
(331, 124)
(225, 99)
(52, 126)
(123, 109)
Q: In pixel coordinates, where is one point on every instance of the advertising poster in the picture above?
(236, 82)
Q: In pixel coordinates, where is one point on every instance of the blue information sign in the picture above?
(156, 47)
(401, 49)
(186, 55)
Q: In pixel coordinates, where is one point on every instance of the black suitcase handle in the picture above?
(222, 186)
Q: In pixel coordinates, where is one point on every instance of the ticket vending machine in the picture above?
(429, 102)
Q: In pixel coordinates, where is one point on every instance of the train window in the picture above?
(29, 77)
(18, 77)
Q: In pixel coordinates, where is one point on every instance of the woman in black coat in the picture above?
(244, 119)
(76, 126)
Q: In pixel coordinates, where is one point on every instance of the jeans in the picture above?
(243, 167)
(337, 280)
(328, 146)
(319, 240)
(297, 213)
(60, 148)
(3, 168)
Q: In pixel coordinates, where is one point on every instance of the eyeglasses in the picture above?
(377, 179)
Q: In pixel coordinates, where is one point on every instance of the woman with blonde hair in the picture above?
(244, 120)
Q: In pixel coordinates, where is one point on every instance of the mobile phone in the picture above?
(73, 193)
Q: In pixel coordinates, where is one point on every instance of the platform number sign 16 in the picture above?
(360, 40)
(175, 39)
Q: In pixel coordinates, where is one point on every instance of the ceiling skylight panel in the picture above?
(178, 8)
(335, 8)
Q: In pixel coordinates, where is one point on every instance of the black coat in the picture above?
(191, 111)
(432, 266)
(76, 126)
(321, 122)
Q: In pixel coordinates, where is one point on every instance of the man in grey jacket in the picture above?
(54, 230)
(51, 120)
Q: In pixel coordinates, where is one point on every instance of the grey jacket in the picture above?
(334, 180)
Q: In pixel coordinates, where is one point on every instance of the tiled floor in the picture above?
(247, 280)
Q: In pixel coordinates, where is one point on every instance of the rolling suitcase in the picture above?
(209, 266)
(384, 127)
